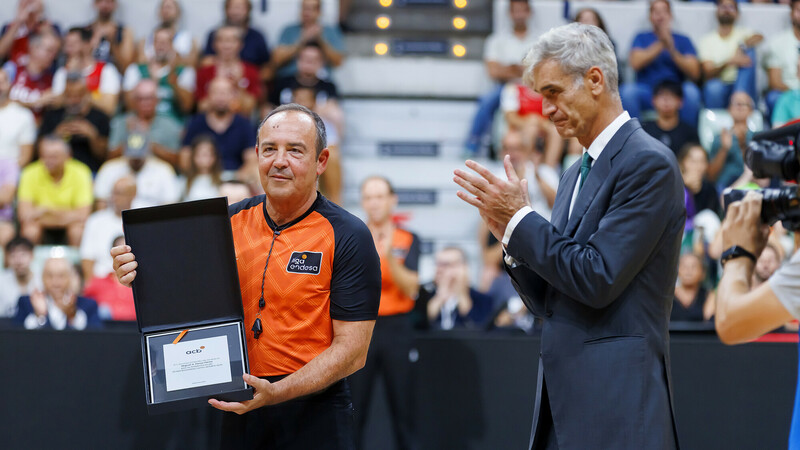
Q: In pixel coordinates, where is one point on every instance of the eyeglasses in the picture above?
(257, 328)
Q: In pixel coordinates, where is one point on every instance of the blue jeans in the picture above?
(637, 97)
(482, 122)
(717, 94)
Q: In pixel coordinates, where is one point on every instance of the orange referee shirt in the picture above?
(405, 247)
(323, 266)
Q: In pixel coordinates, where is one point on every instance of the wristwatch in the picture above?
(735, 252)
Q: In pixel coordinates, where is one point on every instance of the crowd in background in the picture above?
(95, 122)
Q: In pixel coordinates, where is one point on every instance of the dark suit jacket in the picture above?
(87, 305)
(603, 282)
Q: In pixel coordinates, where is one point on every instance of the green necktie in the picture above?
(586, 166)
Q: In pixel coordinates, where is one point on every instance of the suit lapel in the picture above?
(561, 208)
(598, 174)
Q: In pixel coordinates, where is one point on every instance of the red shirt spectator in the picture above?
(112, 296)
(248, 80)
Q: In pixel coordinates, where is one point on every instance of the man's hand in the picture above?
(39, 303)
(743, 227)
(124, 264)
(85, 128)
(740, 59)
(263, 396)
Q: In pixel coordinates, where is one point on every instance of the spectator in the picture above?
(163, 131)
(101, 229)
(114, 300)
(503, 59)
(780, 59)
(14, 36)
(156, 182)
(522, 110)
(253, 49)
(691, 302)
(79, 123)
(660, 55)
(294, 37)
(57, 306)
(18, 279)
(668, 127)
(227, 64)
(170, 13)
(204, 177)
(31, 83)
(235, 191)
(768, 262)
(9, 177)
(233, 134)
(176, 82)
(18, 130)
(787, 108)
(727, 57)
(55, 195)
(102, 79)
(449, 300)
(331, 179)
(111, 41)
(727, 151)
(513, 314)
(693, 162)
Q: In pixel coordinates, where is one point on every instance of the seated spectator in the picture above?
(522, 110)
(102, 228)
(787, 107)
(449, 300)
(18, 130)
(14, 37)
(57, 305)
(668, 127)
(253, 49)
(768, 262)
(18, 279)
(293, 38)
(691, 298)
(660, 55)
(205, 172)
(170, 13)
(235, 191)
(693, 162)
(727, 57)
(234, 135)
(727, 151)
(102, 78)
(163, 132)
(227, 64)
(156, 182)
(513, 314)
(31, 83)
(55, 195)
(114, 300)
(111, 41)
(175, 81)
(79, 123)
(331, 179)
(781, 59)
(9, 177)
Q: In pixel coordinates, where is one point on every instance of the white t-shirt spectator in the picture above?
(17, 128)
(782, 53)
(99, 233)
(181, 43)
(10, 292)
(155, 181)
(202, 187)
(110, 80)
(506, 48)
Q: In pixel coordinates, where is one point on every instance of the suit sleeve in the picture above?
(596, 273)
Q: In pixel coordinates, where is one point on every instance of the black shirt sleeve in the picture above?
(356, 278)
(412, 257)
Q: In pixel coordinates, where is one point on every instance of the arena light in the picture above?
(388, 3)
(459, 23)
(383, 22)
(460, 3)
(459, 50)
(381, 48)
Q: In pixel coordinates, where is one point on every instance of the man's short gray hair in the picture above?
(577, 48)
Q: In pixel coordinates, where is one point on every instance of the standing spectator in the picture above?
(392, 337)
(233, 134)
(102, 78)
(227, 64)
(58, 306)
(503, 59)
(787, 108)
(170, 13)
(102, 228)
(176, 81)
(55, 195)
(449, 300)
(204, 177)
(114, 300)
(18, 130)
(15, 34)
(668, 127)
(79, 122)
(691, 302)
(31, 83)
(660, 55)
(163, 132)
(18, 279)
(254, 49)
(727, 57)
(294, 37)
(693, 162)
(111, 41)
(781, 58)
(156, 182)
(727, 151)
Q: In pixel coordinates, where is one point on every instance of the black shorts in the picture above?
(319, 421)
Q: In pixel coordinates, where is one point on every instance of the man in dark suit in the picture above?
(602, 274)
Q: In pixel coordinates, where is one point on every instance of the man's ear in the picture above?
(595, 80)
(322, 160)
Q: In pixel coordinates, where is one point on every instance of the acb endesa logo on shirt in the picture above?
(197, 350)
(305, 262)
